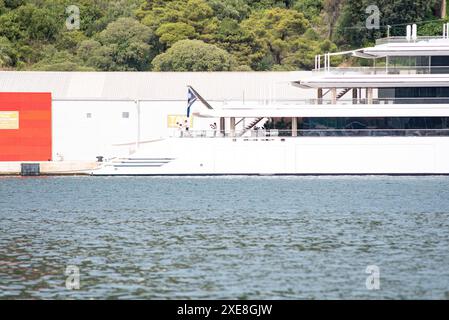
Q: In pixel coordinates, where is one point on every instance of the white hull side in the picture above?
(293, 156)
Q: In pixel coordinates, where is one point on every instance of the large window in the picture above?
(420, 65)
(387, 126)
(376, 123)
(424, 95)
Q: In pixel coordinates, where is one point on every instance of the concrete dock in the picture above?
(50, 168)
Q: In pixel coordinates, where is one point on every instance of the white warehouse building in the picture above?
(111, 114)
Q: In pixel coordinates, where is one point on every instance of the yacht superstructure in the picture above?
(392, 118)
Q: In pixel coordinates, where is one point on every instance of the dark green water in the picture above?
(207, 238)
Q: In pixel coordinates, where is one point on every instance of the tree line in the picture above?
(194, 35)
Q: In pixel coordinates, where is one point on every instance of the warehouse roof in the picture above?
(155, 85)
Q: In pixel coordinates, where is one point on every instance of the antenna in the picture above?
(409, 33)
(445, 30)
(414, 32)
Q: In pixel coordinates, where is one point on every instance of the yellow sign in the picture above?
(174, 121)
(9, 120)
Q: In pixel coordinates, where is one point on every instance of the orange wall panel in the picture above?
(32, 141)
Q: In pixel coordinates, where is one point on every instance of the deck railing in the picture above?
(386, 70)
(326, 100)
(402, 39)
(274, 133)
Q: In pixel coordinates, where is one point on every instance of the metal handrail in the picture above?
(288, 103)
(402, 39)
(273, 133)
(394, 70)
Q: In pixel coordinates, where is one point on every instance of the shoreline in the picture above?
(48, 168)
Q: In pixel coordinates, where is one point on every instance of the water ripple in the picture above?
(225, 238)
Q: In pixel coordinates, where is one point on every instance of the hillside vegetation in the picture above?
(193, 35)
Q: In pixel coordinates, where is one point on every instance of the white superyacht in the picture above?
(390, 119)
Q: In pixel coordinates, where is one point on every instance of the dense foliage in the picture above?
(197, 35)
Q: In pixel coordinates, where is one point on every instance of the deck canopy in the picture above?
(348, 80)
(329, 111)
(400, 47)
(431, 47)
(389, 75)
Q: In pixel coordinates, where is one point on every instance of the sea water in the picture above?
(224, 238)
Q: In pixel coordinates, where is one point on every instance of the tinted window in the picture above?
(375, 123)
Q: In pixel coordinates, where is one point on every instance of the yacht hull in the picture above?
(286, 156)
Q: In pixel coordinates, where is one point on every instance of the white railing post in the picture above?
(328, 62)
(414, 32)
(446, 30)
(409, 33)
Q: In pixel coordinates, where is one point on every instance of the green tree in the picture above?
(193, 55)
(196, 13)
(352, 32)
(254, 34)
(275, 30)
(310, 8)
(303, 52)
(13, 4)
(55, 60)
(30, 23)
(123, 46)
(332, 12)
(431, 28)
(268, 4)
(70, 40)
(8, 54)
(97, 15)
(231, 9)
(10, 27)
(241, 43)
(97, 56)
(41, 24)
(172, 32)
